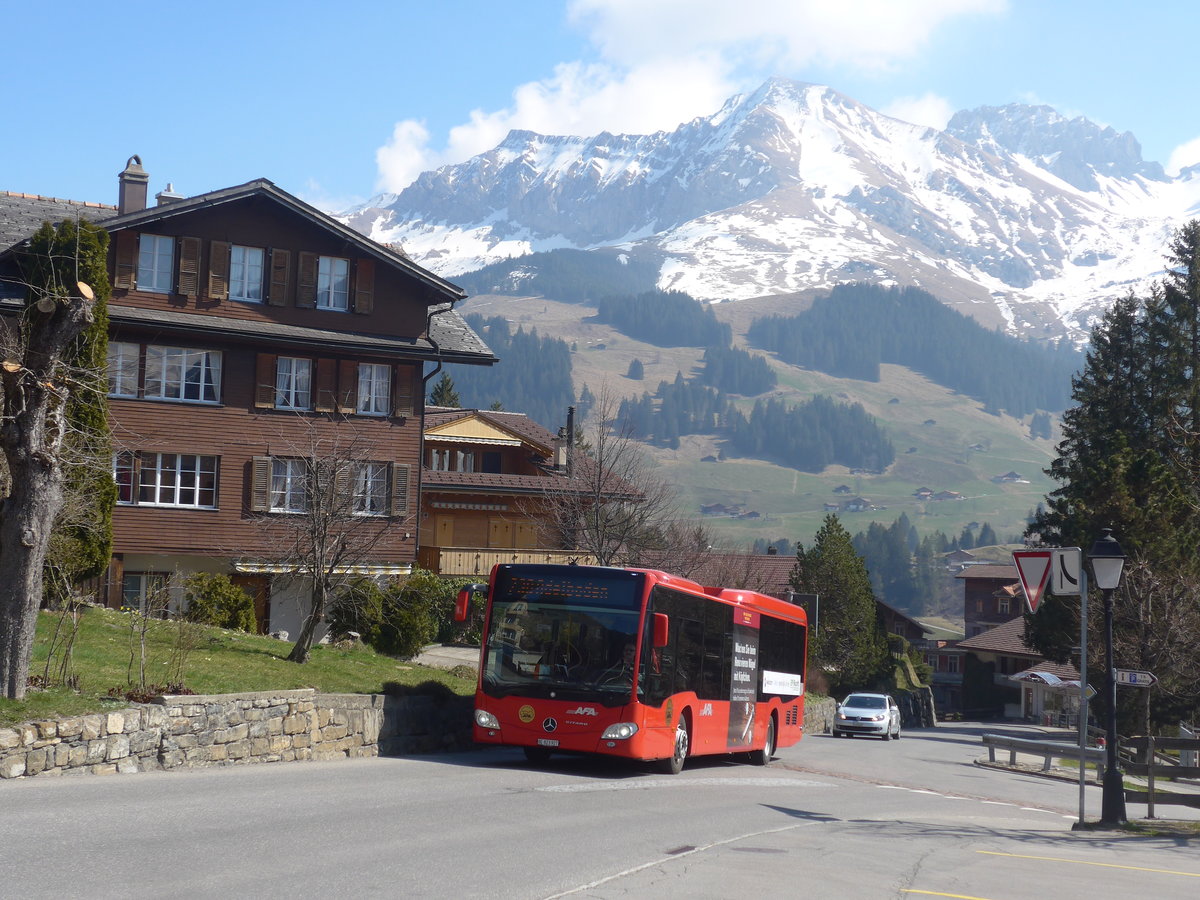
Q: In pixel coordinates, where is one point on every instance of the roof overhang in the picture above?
(245, 567)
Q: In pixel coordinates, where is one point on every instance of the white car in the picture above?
(874, 714)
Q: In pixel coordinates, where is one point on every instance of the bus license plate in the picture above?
(547, 742)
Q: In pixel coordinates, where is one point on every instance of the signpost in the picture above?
(1136, 678)
(1062, 568)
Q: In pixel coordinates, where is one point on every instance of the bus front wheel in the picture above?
(673, 764)
(763, 756)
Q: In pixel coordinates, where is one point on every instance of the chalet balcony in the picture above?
(460, 562)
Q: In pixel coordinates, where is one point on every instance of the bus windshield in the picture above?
(563, 632)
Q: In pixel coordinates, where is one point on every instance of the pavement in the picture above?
(447, 656)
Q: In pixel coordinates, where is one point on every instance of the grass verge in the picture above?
(106, 654)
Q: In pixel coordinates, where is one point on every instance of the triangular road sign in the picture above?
(1033, 568)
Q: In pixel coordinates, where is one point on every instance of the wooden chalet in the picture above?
(247, 328)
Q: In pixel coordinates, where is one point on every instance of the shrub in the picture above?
(212, 599)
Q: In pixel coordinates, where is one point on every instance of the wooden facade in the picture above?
(249, 332)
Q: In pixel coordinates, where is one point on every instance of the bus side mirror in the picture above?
(462, 605)
(661, 629)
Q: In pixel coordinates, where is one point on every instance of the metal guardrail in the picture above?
(1048, 750)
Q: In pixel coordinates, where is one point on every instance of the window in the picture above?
(123, 475)
(156, 256)
(246, 274)
(371, 494)
(178, 479)
(453, 460)
(951, 663)
(122, 369)
(144, 591)
(177, 373)
(289, 485)
(373, 384)
(333, 283)
(1003, 604)
(293, 383)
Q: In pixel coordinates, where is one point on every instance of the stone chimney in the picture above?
(134, 187)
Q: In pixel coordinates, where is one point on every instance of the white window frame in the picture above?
(123, 358)
(140, 585)
(246, 273)
(289, 485)
(372, 494)
(156, 263)
(293, 382)
(125, 476)
(333, 283)
(183, 374)
(187, 480)
(374, 389)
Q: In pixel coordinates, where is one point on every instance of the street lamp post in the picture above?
(1108, 560)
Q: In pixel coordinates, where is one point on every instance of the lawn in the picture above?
(106, 656)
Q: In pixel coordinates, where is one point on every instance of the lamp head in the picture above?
(1108, 560)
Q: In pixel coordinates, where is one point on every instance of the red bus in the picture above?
(636, 663)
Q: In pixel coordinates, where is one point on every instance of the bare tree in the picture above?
(328, 505)
(37, 342)
(614, 504)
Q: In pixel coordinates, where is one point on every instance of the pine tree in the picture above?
(848, 643)
(443, 393)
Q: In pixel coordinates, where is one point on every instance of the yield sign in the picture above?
(1033, 567)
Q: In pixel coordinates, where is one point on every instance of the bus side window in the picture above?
(689, 656)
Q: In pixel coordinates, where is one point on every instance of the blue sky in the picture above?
(338, 101)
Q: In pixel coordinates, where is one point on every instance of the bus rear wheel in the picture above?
(763, 757)
(673, 764)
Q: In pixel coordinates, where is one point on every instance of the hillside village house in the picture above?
(486, 479)
(248, 327)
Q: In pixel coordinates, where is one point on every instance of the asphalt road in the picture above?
(829, 818)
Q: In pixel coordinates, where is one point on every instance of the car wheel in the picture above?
(537, 755)
(673, 764)
(763, 757)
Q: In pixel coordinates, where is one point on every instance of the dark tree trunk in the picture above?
(34, 389)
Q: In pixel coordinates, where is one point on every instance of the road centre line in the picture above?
(1084, 862)
(940, 894)
(658, 862)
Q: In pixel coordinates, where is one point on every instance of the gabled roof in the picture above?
(1008, 639)
(441, 290)
(995, 572)
(440, 422)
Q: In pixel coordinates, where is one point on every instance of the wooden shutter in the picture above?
(264, 381)
(348, 386)
(281, 277)
(306, 288)
(326, 396)
(188, 282)
(126, 259)
(400, 489)
(218, 269)
(260, 484)
(404, 379)
(364, 286)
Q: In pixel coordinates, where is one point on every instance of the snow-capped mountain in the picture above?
(1019, 216)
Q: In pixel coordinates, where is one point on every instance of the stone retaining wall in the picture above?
(186, 732)
(228, 729)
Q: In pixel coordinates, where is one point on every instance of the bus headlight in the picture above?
(485, 719)
(619, 732)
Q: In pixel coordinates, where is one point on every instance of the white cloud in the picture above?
(1183, 156)
(662, 62)
(928, 109)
